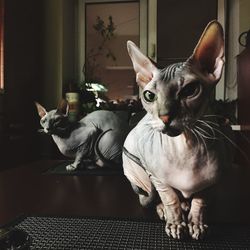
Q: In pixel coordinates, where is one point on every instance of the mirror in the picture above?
(108, 27)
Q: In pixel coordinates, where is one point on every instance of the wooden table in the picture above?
(27, 190)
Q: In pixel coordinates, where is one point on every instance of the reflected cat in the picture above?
(95, 139)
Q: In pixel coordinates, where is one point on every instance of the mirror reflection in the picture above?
(108, 27)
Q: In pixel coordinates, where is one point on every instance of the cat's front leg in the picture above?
(77, 162)
(173, 214)
(196, 221)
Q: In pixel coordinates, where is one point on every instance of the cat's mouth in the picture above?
(171, 131)
(170, 126)
(45, 131)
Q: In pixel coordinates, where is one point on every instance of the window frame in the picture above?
(80, 32)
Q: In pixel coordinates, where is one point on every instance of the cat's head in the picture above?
(178, 95)
(54, 121)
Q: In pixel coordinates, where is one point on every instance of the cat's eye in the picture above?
(44, 120)
(149, 96)
(189, 90)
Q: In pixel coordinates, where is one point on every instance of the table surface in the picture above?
(26, 190)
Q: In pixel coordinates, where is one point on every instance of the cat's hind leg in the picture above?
(146, 199)
(108, 148)
(139, 179)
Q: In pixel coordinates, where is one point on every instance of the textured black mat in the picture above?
(94, 233)
(60, 169)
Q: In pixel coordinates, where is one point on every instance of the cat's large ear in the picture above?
(143, 67)
(209, 52)
(63, 107)
(41, 110)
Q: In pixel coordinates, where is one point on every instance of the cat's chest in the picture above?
(171, 161)
(67, 146)
(81, 136)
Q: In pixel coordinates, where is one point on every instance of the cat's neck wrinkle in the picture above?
(66, 131)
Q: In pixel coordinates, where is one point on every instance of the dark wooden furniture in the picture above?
(27, 190)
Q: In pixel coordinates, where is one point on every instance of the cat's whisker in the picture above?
(216, 124)
(213, 123)
(221, 117)
(234, 144)
(199, 140)
(207, 125)
(189, 129)
(204, 143)
(225, 136)
(203, 130)
(202, 135)
(209, 136)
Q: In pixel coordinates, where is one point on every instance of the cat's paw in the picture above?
(175, 221)
(197, 231)
(176, 230)
(71, 167)
(160, 211)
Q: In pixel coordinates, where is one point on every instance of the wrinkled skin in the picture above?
(79, 140)
(179, 149)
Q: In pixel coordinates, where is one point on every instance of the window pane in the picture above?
(108, 27)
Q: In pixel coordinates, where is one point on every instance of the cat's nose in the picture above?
(165, 118)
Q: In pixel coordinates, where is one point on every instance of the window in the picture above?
(108, 27)
(116, 75)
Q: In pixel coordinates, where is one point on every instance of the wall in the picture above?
(177, 35)
(57, 33)
(59, 49)
(38, 60)
(238, 22)
(22, 79)
(52, 57)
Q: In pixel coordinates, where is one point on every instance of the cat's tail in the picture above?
(107, 162)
